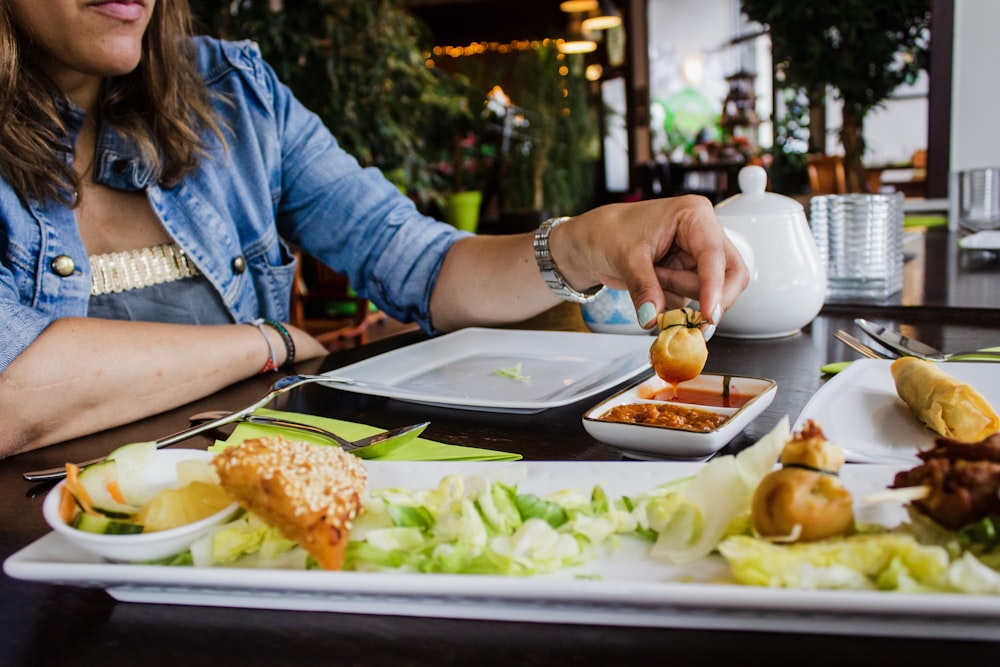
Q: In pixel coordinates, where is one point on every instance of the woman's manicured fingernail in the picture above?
(647, 313)
(716, 315)
(708, 332)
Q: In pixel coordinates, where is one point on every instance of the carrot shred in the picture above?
(115, 491)
(77, 490)
(67, 505)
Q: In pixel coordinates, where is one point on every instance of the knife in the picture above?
(899, 343)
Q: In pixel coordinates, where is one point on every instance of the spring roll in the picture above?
(950, 407)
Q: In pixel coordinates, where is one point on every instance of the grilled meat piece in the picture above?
(963, 479)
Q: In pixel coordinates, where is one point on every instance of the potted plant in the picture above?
(360, 65)
(864, 50)
(464, 155)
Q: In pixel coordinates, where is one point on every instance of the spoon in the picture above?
(910, 347)
(283, 385)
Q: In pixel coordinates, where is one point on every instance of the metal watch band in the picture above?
(550, 272)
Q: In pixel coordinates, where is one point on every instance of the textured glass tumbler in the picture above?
(861, 238)
(979, 199)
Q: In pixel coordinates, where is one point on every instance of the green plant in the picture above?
(359, 64)
(456, 138)
(863, 49)
(787, 170)
(550, 164)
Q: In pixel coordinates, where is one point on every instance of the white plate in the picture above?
(459, 369)
(625, 588)
(859, 410)
(987, 240)
(647, 441)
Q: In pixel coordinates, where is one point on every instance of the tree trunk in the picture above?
(852, 137)
(817, 120)
(541, 161)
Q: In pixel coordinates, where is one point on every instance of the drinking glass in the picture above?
(860, 237)
(979, 199)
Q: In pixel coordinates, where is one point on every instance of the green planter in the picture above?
(461, 209)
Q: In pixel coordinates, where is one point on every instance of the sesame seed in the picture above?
(297, 487)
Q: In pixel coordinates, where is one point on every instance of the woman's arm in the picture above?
(82, 375)
(664, 251)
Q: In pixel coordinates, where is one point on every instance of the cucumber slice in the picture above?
(95, 479)
(133, 460)
(105, 525)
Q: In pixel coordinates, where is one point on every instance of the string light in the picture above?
(479, 48)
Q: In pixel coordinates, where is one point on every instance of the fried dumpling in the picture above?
(679, 352)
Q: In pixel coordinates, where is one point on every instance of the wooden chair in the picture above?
(826, 174)
(317, 288)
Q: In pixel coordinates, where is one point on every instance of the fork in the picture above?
(859, 347)
(345, 444)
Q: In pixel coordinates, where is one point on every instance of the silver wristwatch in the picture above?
(550, 272)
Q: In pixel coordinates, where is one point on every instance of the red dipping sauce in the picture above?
(696, 396)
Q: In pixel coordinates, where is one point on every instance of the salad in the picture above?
(487, 524)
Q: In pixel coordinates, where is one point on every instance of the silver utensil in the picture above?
(413, 430)
(856, 345)
(910, 347)
(283, 385)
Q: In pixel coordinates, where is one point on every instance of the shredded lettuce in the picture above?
(246, 536)
(883, 561)
(479, 525)
(512, 373)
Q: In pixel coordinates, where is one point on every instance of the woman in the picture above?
(150, 180)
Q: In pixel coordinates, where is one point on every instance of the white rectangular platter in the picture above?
(459, 369)
(859, 410)
(625, 588)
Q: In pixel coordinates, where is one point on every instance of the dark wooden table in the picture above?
(56, 625)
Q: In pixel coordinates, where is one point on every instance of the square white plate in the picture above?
(648, 441)
(626, 587)
(859, 410)
(459, 369)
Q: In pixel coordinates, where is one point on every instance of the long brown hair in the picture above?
(162, 106)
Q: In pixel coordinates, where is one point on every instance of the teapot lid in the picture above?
(754, 201)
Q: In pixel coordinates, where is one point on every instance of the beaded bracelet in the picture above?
(285, 337)
(270, 364)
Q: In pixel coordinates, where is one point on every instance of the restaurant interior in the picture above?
(871, 227)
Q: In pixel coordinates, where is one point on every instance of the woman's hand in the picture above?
(663, 251)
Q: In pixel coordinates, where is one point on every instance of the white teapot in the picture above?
(788, 279)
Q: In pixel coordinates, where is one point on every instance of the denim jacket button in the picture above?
(119, 166)
(63, 265)
(239, 265)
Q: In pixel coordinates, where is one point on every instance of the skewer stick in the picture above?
(904, 494)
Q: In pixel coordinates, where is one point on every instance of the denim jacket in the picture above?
(282, 177)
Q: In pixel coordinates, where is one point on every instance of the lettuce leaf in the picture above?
(882, 561)
(717, 499)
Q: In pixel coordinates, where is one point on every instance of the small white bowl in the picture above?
(612, 312)
(161, 474)
(649, 441)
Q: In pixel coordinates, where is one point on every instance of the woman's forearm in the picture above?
(489, 280)
(85, 375)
